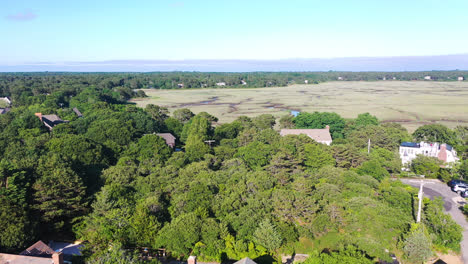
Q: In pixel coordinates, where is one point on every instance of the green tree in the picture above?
(417, 245)
(199, 131)
(58, 193)
(435, 133)
(321, 120)
(317, 156)
(183, 115)
(373, 168)
(267, 235)
(157, 112)
(264, 121)
(427, 166)
(286, 121)
(150, 148)
(447, 232)
(181, 234)
(16, 227)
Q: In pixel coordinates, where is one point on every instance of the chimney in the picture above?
(57, 258)
(192, 260)
(39, 115)
(442, 155)
(327, 127)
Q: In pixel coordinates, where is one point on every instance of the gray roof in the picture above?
(77, 112)
(39, 249)
(245, 261)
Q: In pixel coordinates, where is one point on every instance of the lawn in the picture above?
(410, 103)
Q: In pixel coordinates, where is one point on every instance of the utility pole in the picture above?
(420, 196)
(368, 147)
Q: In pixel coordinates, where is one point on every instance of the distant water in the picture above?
(416, 63)
(295, 113)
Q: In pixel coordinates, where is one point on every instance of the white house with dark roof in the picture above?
(444, 152)
(319, 135)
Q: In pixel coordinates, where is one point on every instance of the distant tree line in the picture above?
(27, 84)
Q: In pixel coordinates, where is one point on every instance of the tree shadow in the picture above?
(265, 259)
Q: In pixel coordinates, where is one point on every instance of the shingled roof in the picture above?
(169, 138)
(319, 135)
(245, 261)
(39, 249)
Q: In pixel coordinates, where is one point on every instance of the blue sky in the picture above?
(100, 30)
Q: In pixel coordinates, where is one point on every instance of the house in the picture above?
(306, 81)
(427, 77)
(4, 110)
(245, 261)
(244, 82)
(461, 78)
(169, 138)
(6, 100)
(39, 253)
(221, 84)
(340, 78)
(180, 85)
(319, 135)
(77, 112)
(444, 152)
(50, 120)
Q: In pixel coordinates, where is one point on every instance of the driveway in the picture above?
(452, 202)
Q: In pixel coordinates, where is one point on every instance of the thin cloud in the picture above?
(22, 16)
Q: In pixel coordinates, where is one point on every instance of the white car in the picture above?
(459, 188)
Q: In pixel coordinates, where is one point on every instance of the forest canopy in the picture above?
(225, 191)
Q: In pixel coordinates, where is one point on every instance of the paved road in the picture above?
(452, 202)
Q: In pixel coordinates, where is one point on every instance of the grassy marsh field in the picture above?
(412, 103)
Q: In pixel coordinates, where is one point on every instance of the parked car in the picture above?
(459, 188)
(464, 194)
(454, 182)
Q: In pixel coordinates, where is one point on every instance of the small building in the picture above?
(461, 78)
(221, 84)
(50, 120)
(340, 78)
(427, 77)
(169, 138)
(4, 110)
(306, 81)
(180, 85)
(444, 152)
(6, 100)
(39, 253)
(384, 78)
(243, 82)
(319, 135)
(77, 112)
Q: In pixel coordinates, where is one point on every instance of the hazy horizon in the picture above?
(384, 64)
